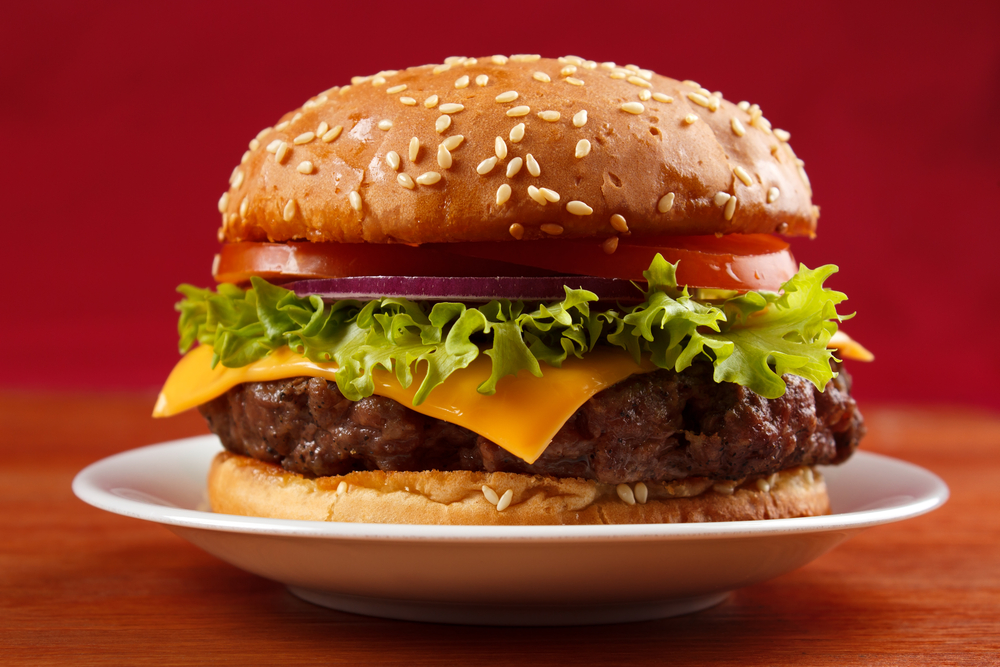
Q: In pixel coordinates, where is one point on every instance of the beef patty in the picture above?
(659, 426)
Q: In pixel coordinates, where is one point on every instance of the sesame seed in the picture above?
(551, 116)
(625, 493)
(576, 60)
(619, 224)
(660, 97)
(245, 157)
(482, 80)
(442, 123)
(491, 495)
(392, 159)
(406, 181)
(342, 488)
(721, 198)
(289, 211)
(573, 81)
(273, 146)
(533, 167)
(378, 80)
(322, 129)
(238, 181)
(641, 493)
(633, 107)
(260, 135)
(333, 134)
(514, 166)
(617, 75)
(408, 101)
(442, 68)
(503, 194)
(705, 92)
(244, 206)
(632, 68)
(280, 127)
(462, 81)
(578, 208)
(414, 149)
(486, 166)
(742, 174)
(690, 119)
(499, 60)
(639, 81)
(305, 167)
(738, 128)
(444, 157)
(223, 202)
(713, 103)
(535, 194)
(431, 102)
(500, 147)
(541, 76)
(518, 111)
(345, 89)
(396, 89)
(693, 84)
(454, 60)
(304, 138)
(551, 229)
(355, 198)
(453, 142)
(782, 135)
(356, 80)
(525, 57)
(730, 208)
(608, 65)
(582, 148)
(580, 118)
(665, 203)
(254, 144)
(568, 70)
(517, 229)
(517, 133)
(804, 177)
(451, 108)
(284, 150)
(762, 485)
(550, 195)
(297, 117)
(428, 178)
(509, 96)
(744, 105)
(644, 95)
(772, 195)
(504, 501)
(698, 99)
(385, 124)
(610, 245)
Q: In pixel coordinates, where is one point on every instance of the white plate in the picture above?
(503, 575)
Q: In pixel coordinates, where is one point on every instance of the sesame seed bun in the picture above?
(248, 487)
(524, 147)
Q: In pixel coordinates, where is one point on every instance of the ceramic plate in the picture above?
(503, 575)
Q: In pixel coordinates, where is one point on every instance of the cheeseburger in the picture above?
(518, 290)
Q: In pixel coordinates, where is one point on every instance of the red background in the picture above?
(122, 122)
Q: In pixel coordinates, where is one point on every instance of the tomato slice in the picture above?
(737, 261)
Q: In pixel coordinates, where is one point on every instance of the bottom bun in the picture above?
(245, 486)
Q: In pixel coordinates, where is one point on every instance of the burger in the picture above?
(518, 290)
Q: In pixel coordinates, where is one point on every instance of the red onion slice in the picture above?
(366, 288)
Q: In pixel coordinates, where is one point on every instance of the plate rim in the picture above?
(86, 488)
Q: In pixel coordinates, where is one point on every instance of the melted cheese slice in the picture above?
(522, 417)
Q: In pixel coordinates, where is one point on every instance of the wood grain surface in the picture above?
(82, 586)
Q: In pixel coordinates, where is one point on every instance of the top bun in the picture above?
(464, 150)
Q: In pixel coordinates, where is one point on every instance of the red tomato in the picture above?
(737, 261)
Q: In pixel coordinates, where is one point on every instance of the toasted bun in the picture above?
(660, 153)
(242, 485)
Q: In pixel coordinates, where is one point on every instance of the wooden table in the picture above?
(82, 586)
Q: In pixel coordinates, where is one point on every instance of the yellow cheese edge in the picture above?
(522, 417)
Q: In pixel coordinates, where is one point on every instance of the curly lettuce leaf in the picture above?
(752, 339)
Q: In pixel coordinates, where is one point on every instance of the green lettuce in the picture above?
(751, 339)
